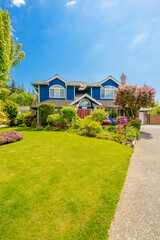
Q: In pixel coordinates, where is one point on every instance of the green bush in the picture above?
(68, 113)
(56, 120)
(110, 128)
(136, 124)
(131, 132)
(33, 125)
(20, 118)
(11, 109)
(44, 111)
(28, 119)
(113, 113)
(91, 126)
(99, 114)
(76, 123)
(48, 128)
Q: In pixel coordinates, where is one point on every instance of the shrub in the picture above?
(48, 128)
(91, 126)
(28, 119)
(20, 117)
(131, 132)
(106, 122)
(113, 113)
(44, 111)
(11, 109)
(68, 113)
(56, 120)
(99, 114)
(110, 128)
(118, 137)
(4, 120)
(76, 123)
(10, 137)
(33, 125)
(136, 124)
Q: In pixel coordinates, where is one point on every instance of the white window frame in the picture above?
(87, 101)
(108, 88)
(57, 87)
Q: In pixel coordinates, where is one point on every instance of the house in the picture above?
(23, 109)
(87, 96)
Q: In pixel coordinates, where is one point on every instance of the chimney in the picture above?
(123, 79)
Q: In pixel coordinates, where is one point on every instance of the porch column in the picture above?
(37, 115)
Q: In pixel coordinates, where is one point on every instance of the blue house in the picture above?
(84, 96)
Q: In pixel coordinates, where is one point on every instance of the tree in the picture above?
(131, 99)
(11, 109)
(10, 54)
(4, 93)
(13, 86)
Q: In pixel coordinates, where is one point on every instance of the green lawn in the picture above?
(56, 185)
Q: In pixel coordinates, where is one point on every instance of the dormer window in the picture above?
(56, 91)
(108, 92)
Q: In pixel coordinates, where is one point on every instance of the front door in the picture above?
(83, 112)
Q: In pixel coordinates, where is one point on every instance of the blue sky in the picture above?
(87, 40)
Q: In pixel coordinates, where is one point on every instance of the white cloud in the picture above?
(18, 3)
(71, 3)
(140, 38)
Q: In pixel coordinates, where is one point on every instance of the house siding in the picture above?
(44, 90)
(96, 93)
(70, 90)
(111, 83)
(70, 93)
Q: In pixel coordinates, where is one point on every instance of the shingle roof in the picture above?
(57, 103)
(108, 103)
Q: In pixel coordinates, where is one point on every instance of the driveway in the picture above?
(138, 212)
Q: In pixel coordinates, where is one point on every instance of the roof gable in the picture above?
(108, 78)
(83, 96)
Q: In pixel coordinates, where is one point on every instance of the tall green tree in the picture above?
(10, 53)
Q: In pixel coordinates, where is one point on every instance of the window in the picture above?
(85, 103)
(57, 91)
(108, 92)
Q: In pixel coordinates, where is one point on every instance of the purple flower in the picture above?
(137, 119)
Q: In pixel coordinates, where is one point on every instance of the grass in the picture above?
(57, 185)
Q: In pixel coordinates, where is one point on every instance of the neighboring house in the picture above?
(23, 109)
(87, 96)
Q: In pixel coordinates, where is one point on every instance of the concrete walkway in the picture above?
(138, 212)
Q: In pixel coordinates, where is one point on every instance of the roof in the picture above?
(82, 85)
(83, 96)
(108, 104)
(24, 108)
(57, 103)
(145, 110)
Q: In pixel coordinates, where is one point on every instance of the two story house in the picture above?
(86, 96)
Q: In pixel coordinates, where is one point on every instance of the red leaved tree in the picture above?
(131, 99)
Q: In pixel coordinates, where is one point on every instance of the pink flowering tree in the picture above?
(131, 99)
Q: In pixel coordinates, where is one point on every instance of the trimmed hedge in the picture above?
(44, 111)
(10, 137)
